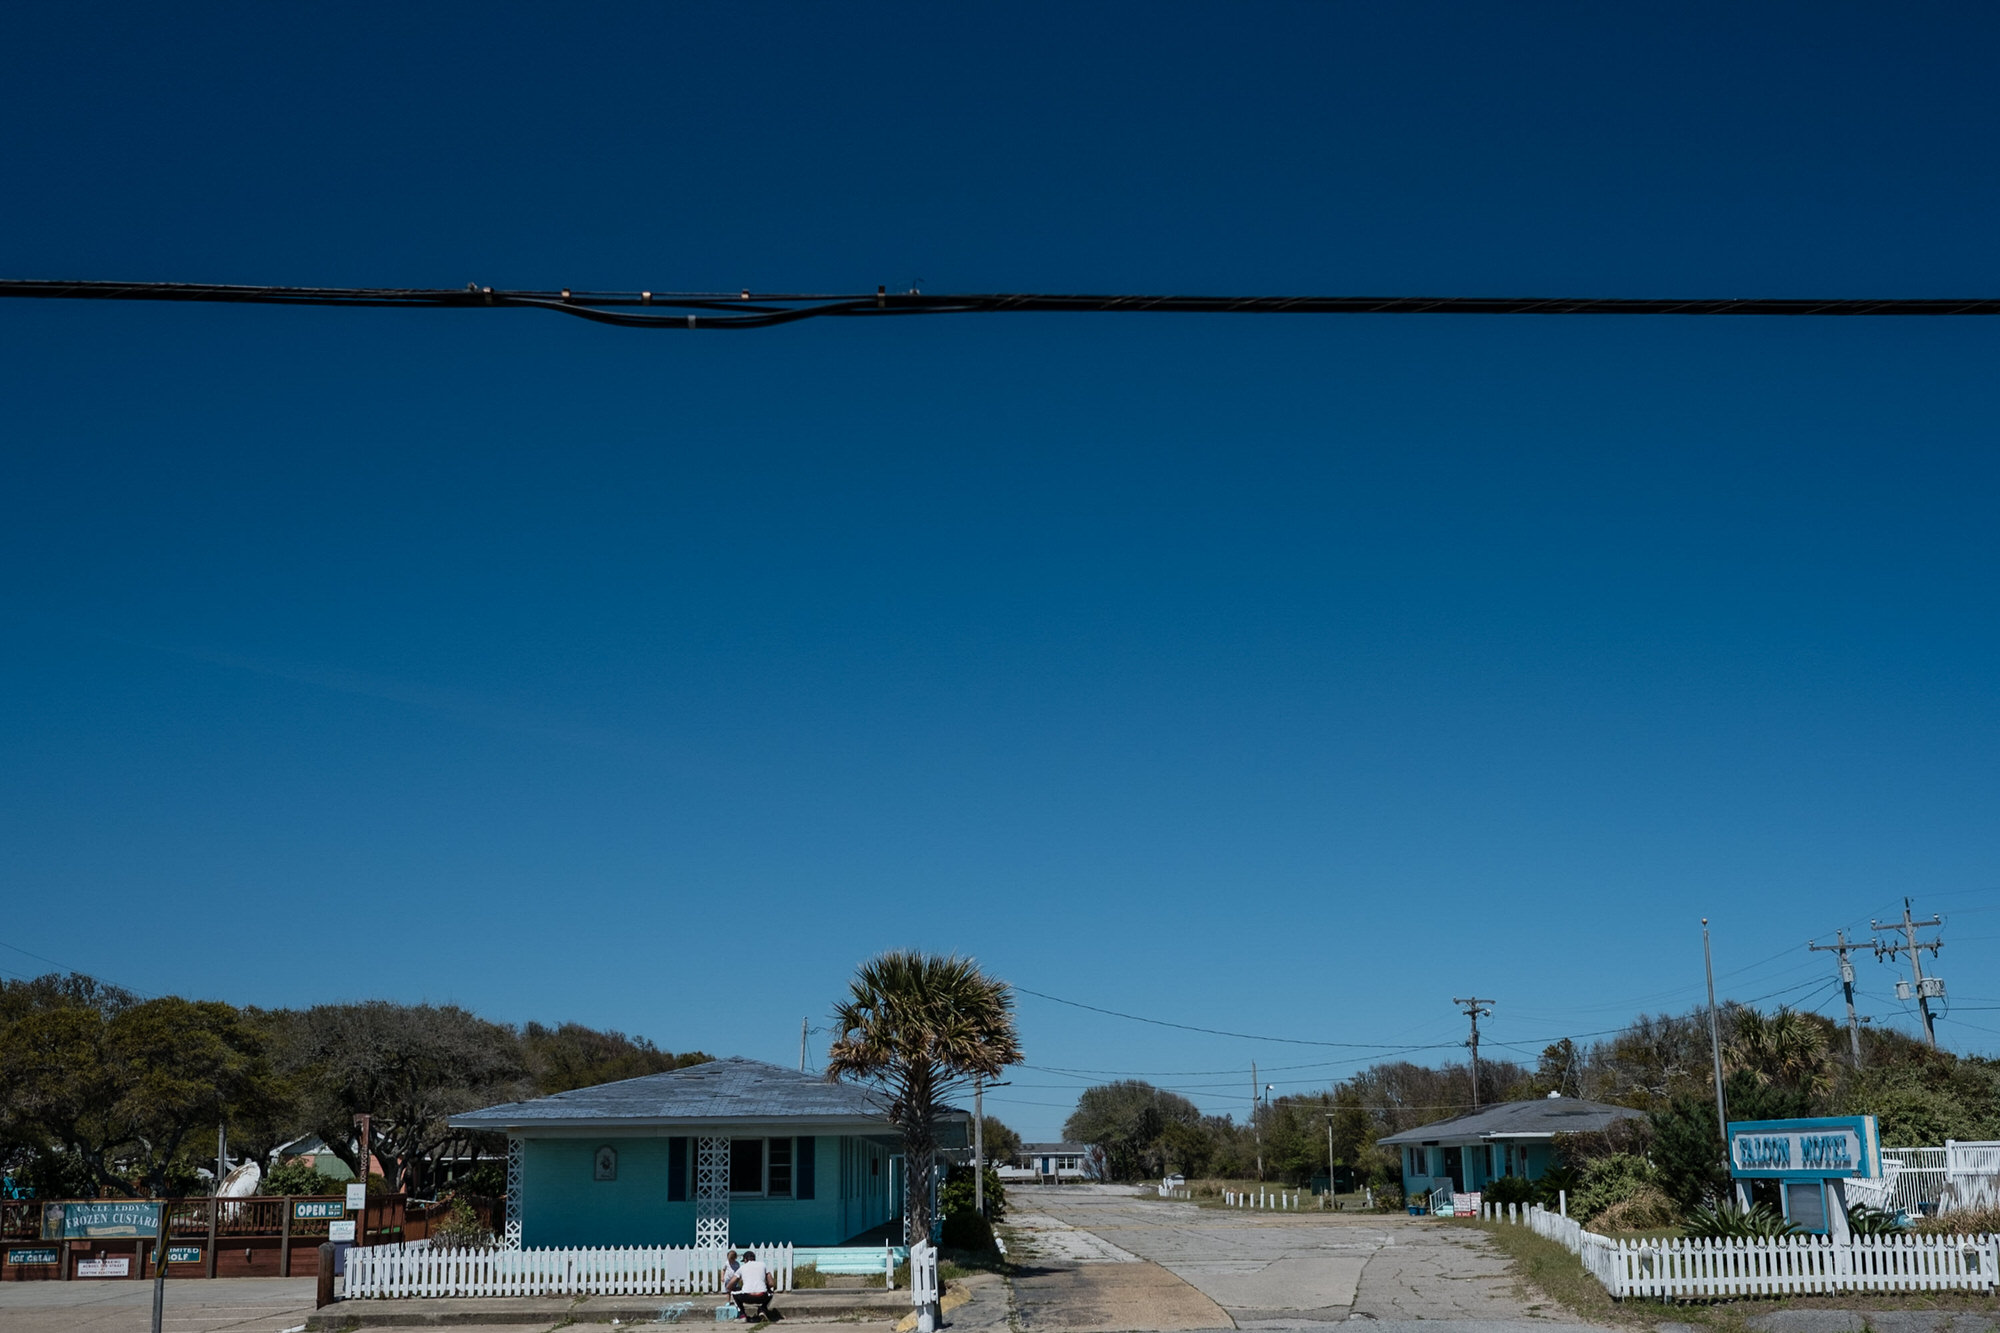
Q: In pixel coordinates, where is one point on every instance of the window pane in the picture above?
(781, 1167)
(746, 1166)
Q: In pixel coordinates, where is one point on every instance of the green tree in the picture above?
(919, 1026)
(409, 1067)
(571, 1055)
(1001, 1142)
(108, 1091)
(1129, 1120)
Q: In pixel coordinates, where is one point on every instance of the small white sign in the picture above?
(340, 1231)
(119, 1266)
(357, 1197)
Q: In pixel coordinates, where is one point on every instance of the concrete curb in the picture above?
(448, 1312)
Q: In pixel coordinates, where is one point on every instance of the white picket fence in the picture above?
(383, 1272)
(1681, 1269)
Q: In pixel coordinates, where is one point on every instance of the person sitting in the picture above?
(753, 1287)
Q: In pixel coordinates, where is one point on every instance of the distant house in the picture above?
(310, 1151)
(731, 1151)
(1047, 1163)
(1507, 1139)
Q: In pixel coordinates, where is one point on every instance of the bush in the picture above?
(1961, 1222)
(461, 1228)
(956, 1194)
(1510, 1189)
(297, 1178)
(1609, 1180)
(967, 1230)
(1647, 1209)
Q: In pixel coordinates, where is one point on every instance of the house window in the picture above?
(780, 1179)
(746, 1166)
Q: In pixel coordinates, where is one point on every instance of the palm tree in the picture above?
(918, 1025)
(1788, 1048)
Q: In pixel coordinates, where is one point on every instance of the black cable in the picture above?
(743, 310)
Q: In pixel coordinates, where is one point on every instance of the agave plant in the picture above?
(1719, 1219)
(1866, 1220)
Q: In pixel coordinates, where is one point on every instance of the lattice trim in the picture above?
(515, 1156)
(711, 1192)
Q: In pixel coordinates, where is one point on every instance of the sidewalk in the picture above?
(853, 1306)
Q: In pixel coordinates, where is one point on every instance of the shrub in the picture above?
(1553, 1183)
(1504, 1190)
(1609, 1180)
(297, 1178)
(461, 1228)
(967, 1230)
(1961, 1222)
(1718, 1219)
(1646, 1209)
(957, 1193)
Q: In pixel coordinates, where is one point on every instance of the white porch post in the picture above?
(711, 1192)
(512, 1239)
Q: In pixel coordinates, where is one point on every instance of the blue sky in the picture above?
(1283, 676)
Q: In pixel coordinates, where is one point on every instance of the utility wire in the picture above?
(747, 310)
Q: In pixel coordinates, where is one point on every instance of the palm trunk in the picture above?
(919, 1154)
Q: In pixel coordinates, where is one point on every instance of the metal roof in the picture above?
(1538, 1118)
(725, 1090)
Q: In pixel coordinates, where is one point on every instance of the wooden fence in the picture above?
(261, 1236)
(393, 1271)
(1681, 1269)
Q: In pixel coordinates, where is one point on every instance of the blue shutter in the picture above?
(802, 1169)
(677, 1170)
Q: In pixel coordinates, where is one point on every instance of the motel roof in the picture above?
(1537, 1119)
(718, 1096)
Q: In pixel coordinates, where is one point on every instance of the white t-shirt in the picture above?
(753, 1277)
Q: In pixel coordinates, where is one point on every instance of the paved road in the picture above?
(1291, 1270)
(228, 1305)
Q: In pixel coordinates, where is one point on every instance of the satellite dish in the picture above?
(242, 1182)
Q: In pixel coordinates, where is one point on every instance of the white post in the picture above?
(1562, 1201)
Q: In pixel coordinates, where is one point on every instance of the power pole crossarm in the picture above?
(1843, 948)
(1926, 987)
(1475, 1009)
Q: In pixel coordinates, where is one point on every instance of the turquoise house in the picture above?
(1466, 1152)
(733, 1151)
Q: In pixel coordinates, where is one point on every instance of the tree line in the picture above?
(105, 1093)
(1776, 1065)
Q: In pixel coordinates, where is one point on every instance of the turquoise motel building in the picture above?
(1466, 1152)
(732, 1152)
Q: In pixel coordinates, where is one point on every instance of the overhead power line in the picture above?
(745, 309)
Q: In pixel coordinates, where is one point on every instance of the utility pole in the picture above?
(1926, 986)
(1843, 948)
(221, 1155)
(979, 1145)
(802, 1043)
(1256, 1128)
(1475, 1009)
(1715, 1037)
